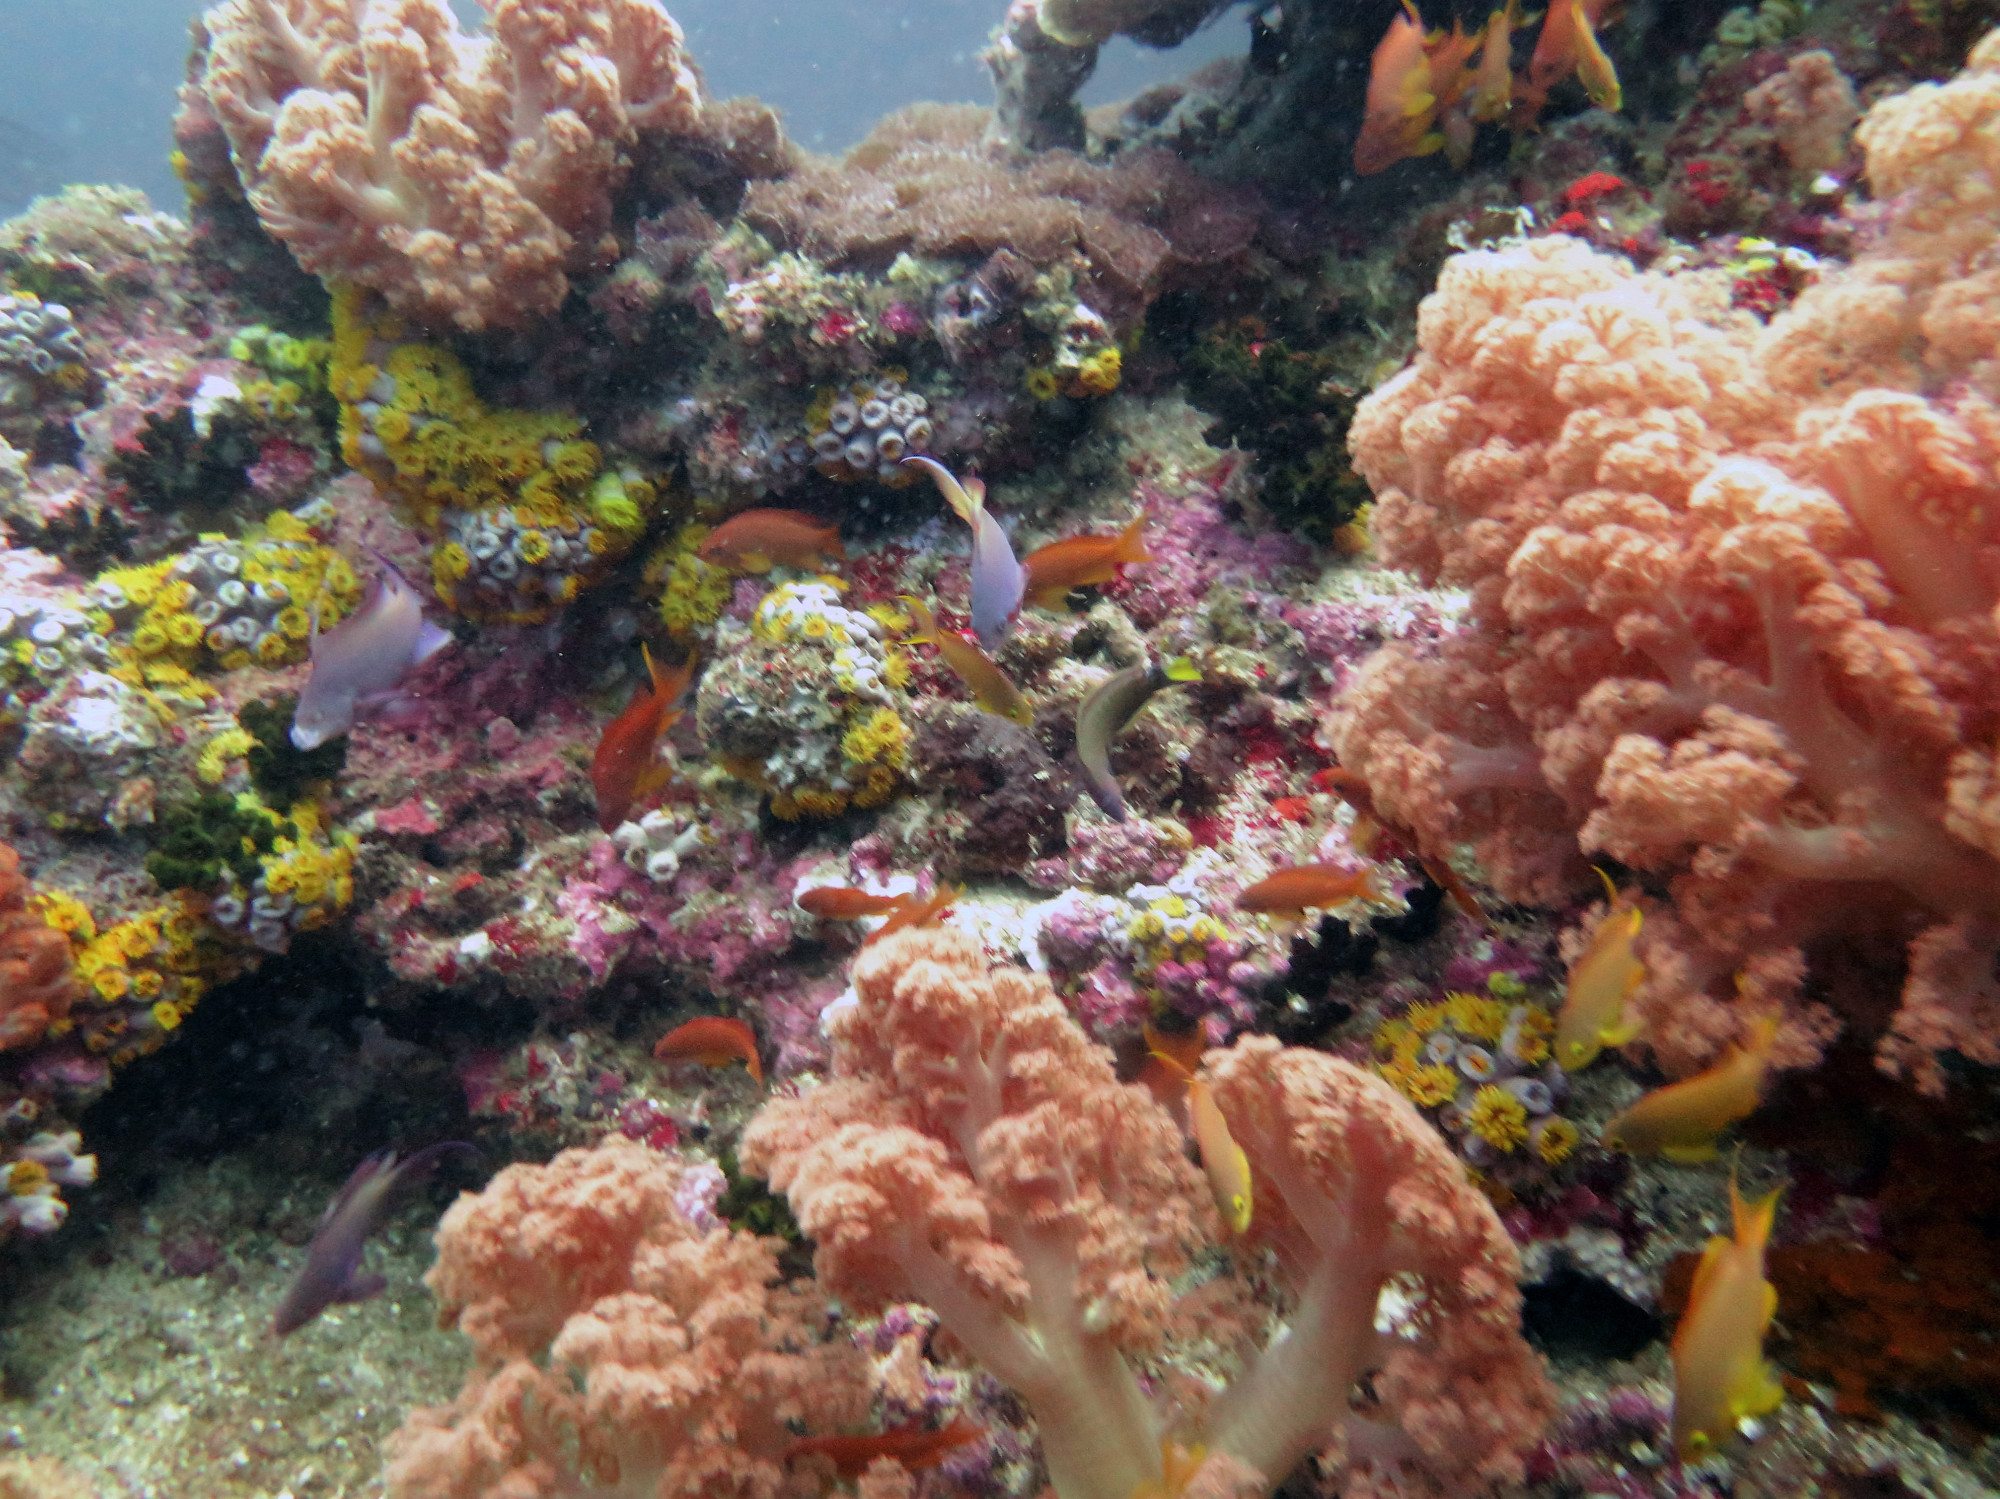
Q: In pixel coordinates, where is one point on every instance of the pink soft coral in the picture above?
(457, 175)
(620, 1348)
(974, 1151)
(1732, 610)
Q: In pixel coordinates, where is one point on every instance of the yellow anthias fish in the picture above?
(1593, 68)
(1720, 1372)
(1683, 1120)
(1603, 976)
(1493, 86)
(1222, 1158)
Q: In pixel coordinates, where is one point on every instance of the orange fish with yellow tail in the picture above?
(1052, 571)
(912, 1446)
(626, 767)
(1567, 44)
(1303, 887)
(1720, 1372)
(1224, 1161)
(992, 689)
(1600, 981)
(1493, 79)
(1683, 1120)
(713, 1041)
(1401, 103)
(754, 540)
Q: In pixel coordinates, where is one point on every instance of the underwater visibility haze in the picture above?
(1109, 749)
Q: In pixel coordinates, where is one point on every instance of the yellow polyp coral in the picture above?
(1498, 1118)
(1042, 383)
(1474, 1015)
(1428, 1087)
(224, 603)
(1099, 374)
(220, 752)
(693, 593)
(141, 978)
(524, 511)
(883, 737)
(1169, 928)
(1555, 1140)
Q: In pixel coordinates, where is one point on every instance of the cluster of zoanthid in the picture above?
(40, 640)
(33, 1172)
(139, 978)
(523, 513)
(693, 592)
(40, 350)
(224, 603)
(1480, 1067)
(865, 432)
(804, 708)
(306, 879)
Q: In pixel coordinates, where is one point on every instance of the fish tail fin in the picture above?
(1180, 669)
(1752, 1220)
(1131, 546)
(1763, 1033)
(926, 621)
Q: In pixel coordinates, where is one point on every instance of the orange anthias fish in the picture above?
(755, 539)
(1052, 571)
(1600, 980)
(1228, 1168)
(1166, 1051)
(1292, 892)
(1401, 105)
(713, 1041)
(912, 1446)
(1683, 1120)
(913, 912)
(1493, 82)
(842, 903)
(627, 767)
(1720, 1372)
(1567, 44)
(992, 689)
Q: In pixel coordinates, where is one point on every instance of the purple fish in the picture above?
(998, 580)
(357, 665)
(332, 1271)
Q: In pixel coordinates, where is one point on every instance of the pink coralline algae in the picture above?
(1195, 548)
(1732, 612)
(459, 176)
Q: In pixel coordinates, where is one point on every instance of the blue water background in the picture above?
(87, 86)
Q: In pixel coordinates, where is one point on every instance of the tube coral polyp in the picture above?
(524, 512)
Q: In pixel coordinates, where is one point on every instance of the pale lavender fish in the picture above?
(358, 664)
(998, 580)
(332, 1271)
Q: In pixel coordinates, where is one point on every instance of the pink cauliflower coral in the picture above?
(457, 175)
(618, 1347)
(974, 1151)
(1732, 605)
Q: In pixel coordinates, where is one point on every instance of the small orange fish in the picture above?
(1446, 879)
(912, 1446)
(1165, 1050)
(1600, 981)
(1593, 68)
(992, 689)
(713, 1041)
(1683, 1120)
(913, 912)
(840, 903)
(755, 539)
(1720, 1372)
(1292, 892)
(626, 767)
(1224, 1161)
(1559, 49)
(1493, 82)
(1052, 571)
(1401, 104)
